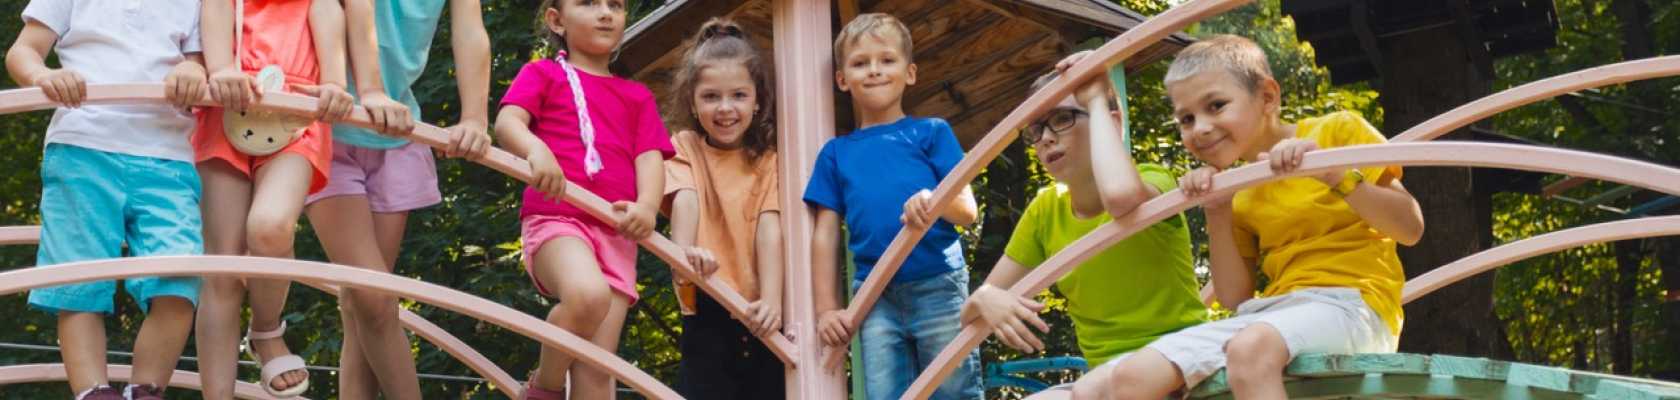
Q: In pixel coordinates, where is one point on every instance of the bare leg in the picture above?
(345, 224)
(81, 339)
(567, 265)
(162, 337)
(1144, 374)
(592, 383)
(1255, 358)
(227, 198)
(280, 186)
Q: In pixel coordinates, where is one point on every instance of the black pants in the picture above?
(723, 360)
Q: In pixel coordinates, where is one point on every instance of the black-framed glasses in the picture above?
(1057, 121)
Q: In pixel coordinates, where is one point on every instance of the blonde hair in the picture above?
(871, 24)
(1229, 53)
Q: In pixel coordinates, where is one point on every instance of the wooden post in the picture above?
(805, 119)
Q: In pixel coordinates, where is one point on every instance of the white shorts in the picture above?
(1316, 320)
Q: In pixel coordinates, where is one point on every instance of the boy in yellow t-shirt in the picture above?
(1326, 241)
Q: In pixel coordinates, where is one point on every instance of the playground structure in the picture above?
(806, 121)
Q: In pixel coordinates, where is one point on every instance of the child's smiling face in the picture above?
(1220, 120)
(589, 26)
(724, 102)
(876, 70)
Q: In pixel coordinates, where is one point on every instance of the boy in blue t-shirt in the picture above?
(879, 178)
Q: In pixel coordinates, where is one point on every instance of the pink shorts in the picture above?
(615, 254)
(394, 180)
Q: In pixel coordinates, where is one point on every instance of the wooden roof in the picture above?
(975, 58)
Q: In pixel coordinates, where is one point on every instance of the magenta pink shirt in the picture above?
(626, 121)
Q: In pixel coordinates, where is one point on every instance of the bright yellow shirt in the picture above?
(1305, 236)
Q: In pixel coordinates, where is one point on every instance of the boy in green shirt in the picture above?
(1128, 295)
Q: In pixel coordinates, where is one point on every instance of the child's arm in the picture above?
(26, 62)
(389, 116)
(229, 86)
(636, 219)
(685, 231)
(1233, 276)
(471, 43)
(513, 129)
(918, 210)
(1388, 207)
(1006, 314)
(185, 83)
(1112, 167)
(832, 323)
(326, 27)
(767, 311)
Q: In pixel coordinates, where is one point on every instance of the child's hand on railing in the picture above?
(918, 210)
(766, 316)
(1199, 182)
(1286, 156)
(546, 175)
(702, 260)
(468, 139)
(185, 84)
(1070, 60)
(389, 117)
(233, 89)
(333, 102)
(1007, 316)
(634, 220)
(835, 327)
(63, 86)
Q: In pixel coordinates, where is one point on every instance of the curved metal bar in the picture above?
(1529, 158)
(1536, 91)
(29, 99)
(1523, 249)
(309, 271)
(36, 373)
(462, 352)
(20, 235)
(1127, 44)
(16, 235)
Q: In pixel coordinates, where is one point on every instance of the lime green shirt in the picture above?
(1125, 297)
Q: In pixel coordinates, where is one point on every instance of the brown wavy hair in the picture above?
(721, 40)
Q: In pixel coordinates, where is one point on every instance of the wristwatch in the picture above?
(1350, 181)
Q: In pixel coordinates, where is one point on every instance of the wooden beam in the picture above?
(848, 11)
(922, 92)
(1557, 188)
(803, 60)
(666, 28)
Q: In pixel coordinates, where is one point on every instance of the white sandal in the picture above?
(272, 369)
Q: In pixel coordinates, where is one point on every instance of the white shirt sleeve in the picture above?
(55, 14)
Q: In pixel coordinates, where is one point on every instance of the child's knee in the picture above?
(1256, 352)
(220, 287)
(370, 307)
(269, 234)
(170, 306)
(582, 310)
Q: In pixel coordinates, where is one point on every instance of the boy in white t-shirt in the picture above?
(114, 175)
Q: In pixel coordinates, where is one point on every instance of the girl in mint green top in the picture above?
(377, 178)
(1128, 295)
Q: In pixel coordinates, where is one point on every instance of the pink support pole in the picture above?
(35, 373)
(308, 271)
(1490, 259)
(1529, 158)
(801, 29)
(28, 99)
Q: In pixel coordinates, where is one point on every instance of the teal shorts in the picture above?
(94, 202)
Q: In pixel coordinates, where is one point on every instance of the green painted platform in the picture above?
(1414, 376)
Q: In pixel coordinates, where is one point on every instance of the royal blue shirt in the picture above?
(867, 176)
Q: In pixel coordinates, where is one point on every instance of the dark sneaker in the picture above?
(102, 393)
(144, 392)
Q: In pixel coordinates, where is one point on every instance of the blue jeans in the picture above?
(908, 327)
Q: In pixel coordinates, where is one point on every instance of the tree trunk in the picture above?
(1628, 257)
(1668, 257)
(1429, 73)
